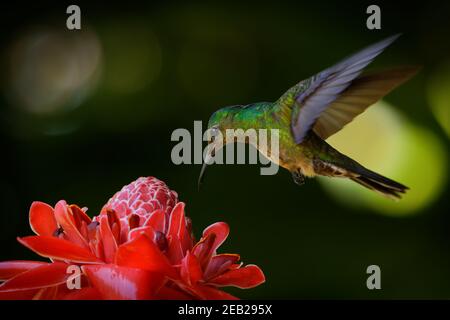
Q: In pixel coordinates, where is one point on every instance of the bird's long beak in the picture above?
(201, 176)
(209, 155)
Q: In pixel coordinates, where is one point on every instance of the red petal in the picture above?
(235, 266)
(79, 216)
(247, 277)
(114, 223)
(59, 249)
(49, 293)
(9, 269)
(203, 249)
(157, 221)
(177, 223)
(174, 250)
(120, 283)
(221, 230)
(178, 227)
(148, 230)
(63, 215)
(48, 275)
(168, 293)
(42, 219)
(109, 243)
(83, 294)
(219, 263)
(142, 253)
(213, 237)
(191, 270)
(210, 293)
(18, 295)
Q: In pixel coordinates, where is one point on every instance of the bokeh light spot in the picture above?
(387, 143)
(52, 71)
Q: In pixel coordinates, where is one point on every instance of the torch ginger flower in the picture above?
(139, 247)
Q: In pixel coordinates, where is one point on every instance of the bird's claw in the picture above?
(298, 178)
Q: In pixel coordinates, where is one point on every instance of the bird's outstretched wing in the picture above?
(327, 86)
(364, 91)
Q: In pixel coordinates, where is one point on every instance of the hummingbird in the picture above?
(313, 110)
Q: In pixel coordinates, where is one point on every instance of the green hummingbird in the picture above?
(314, 109)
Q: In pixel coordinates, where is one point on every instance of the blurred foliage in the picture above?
(83, 113)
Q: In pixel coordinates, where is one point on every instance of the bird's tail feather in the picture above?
(365, 177)
(378, 183)
(387, 190)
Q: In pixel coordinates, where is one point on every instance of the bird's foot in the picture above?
(298, 178)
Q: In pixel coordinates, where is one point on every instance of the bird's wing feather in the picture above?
(363, 92)
(326, 86)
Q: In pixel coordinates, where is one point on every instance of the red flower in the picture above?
(139, 247)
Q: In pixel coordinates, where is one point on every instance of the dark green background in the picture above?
(308, 245)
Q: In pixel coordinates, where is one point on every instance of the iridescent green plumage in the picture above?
(267, 115)
(316, 108)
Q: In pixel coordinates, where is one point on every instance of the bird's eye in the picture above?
(213, 132)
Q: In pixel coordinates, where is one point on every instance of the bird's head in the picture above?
(219, 121)
(222, 118)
